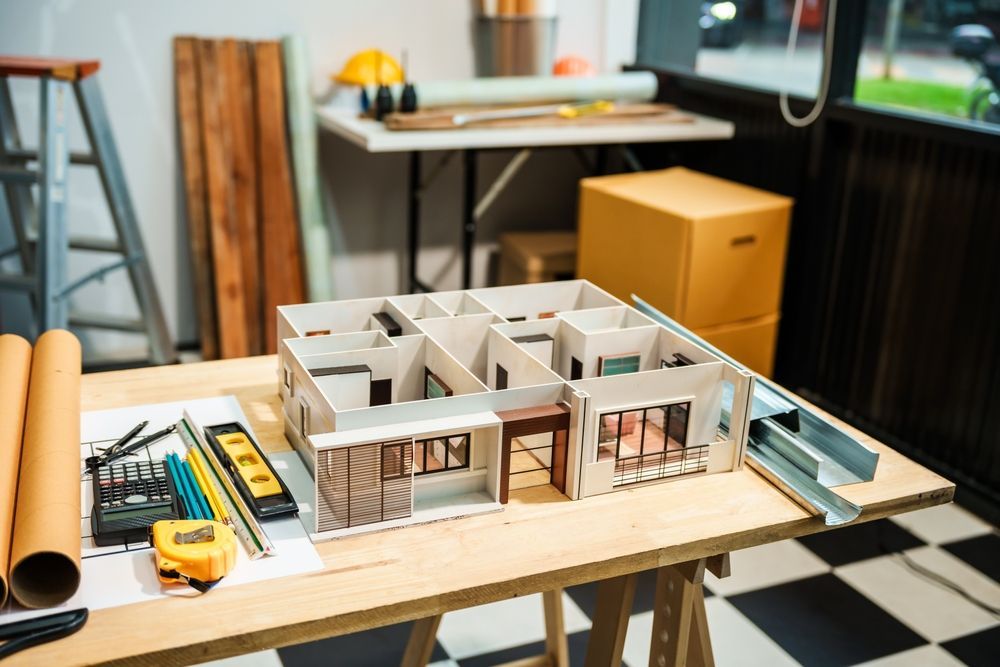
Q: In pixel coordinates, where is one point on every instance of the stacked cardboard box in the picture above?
(537, 257)
(706, 251)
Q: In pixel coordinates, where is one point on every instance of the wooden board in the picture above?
(239, 139)
(541, 541)
(186, 56)
(443, 119)
(227, 261)
(282, 263)
(58, 68)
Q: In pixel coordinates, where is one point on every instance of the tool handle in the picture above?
(35, 631)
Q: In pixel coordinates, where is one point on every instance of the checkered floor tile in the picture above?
(854, 596)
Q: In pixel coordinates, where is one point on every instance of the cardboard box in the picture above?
(750, 342)
(704, 250)
(537, 257)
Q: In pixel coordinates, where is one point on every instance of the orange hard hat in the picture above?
(573, 66)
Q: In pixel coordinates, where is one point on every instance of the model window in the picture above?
(440, 454)
(435, 387)
(649, 443)
(393, 457)
(303, 418)
(619, 364)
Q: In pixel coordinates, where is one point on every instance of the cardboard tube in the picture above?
(15, 365)
(45, 551)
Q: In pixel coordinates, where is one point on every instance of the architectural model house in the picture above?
(421, 407)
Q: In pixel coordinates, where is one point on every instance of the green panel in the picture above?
(620, 365)
(434, 390)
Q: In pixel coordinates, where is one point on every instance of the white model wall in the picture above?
(448, 369)
(466, 338)
(365, 194)
(346, 391)
(572, 345)
(671, 343)
(523, 370)
(383, 362)
(359, 340)
(410, 373)
(702, 384)
(645, 341)
(511, 399)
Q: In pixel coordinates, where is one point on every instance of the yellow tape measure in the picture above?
(195, 552)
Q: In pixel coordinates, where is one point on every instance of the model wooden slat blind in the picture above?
(364, 484)
(242, 221)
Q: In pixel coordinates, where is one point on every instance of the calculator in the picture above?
(128, 498)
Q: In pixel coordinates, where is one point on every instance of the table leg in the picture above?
(601, 162)
(421, 644)
(611, 611)
(468, 216)
(413, 223)
(556, 644)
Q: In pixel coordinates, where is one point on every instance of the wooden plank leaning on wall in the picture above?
(240, 206)
(279, 229)
(189, 135)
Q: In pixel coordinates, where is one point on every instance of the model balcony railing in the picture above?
(657, 465)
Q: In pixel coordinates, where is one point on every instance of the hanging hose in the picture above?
(824, 84)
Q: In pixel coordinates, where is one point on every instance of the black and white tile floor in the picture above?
(837, 598)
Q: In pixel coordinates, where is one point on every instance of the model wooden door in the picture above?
(560, 441)
(380, 392)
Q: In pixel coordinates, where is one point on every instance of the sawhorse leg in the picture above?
(680, 626)
(424, 633)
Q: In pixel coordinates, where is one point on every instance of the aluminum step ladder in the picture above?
(40, 230)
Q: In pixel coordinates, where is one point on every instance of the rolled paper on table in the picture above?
(45, 551)
(15, 367)
(625, 86)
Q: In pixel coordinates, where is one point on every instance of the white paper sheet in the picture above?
(120, 575)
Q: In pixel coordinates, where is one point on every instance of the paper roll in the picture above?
(45, 551)
(15, 365)
(625, 86)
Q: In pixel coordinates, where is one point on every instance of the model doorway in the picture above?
(534, 448)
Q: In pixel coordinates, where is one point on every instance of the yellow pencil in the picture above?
(199, 477)
(198, 466)
(212, 488)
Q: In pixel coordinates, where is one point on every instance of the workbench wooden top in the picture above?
(541, 541)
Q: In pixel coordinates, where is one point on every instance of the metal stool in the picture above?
(40, 230)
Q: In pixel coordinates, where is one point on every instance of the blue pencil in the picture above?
(193, 509)
(178, 487)
(206, 511)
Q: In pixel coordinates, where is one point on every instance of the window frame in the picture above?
(398, 445)
(667, 409)
(447, 453)
(840, 106)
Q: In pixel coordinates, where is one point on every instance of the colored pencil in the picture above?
(213, 493)
(203, 508)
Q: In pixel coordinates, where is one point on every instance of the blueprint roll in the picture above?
(45, 550)
(15, 365)
(626, 87)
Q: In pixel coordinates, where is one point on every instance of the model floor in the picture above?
(836, 598)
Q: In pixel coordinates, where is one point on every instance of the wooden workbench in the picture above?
(540, 542)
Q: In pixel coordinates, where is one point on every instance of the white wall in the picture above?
(364, 193)
(465, 337)
(644, 340)
(523, 370)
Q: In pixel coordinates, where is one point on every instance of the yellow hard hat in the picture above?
(363, 69)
